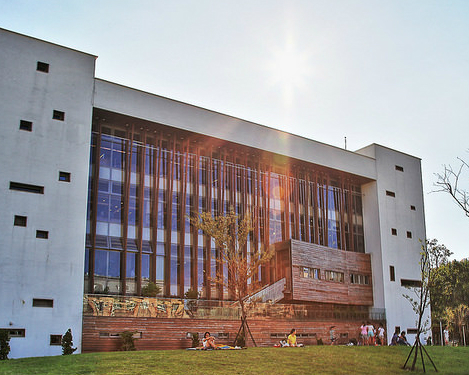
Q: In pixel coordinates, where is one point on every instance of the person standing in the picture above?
(363, 333)
(446, 336)
(332, 336)
(381, 332)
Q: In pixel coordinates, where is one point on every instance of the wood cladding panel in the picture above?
(171, 333)
(325, 259)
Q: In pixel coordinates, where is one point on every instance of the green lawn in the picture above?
(309, 360)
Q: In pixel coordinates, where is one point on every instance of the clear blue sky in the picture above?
(391, 72)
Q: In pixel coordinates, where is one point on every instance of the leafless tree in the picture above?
(231, 234)
(454, 182)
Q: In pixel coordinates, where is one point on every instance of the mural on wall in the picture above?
(138, 307)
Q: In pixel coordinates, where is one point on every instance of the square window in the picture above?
(58, 115)
(394, 231)
(390, 193)
(56, 339)
(412, 208)
(409, 234)
(20, 221)
(42, 234)
(42, 67)
(64, 176)
(26, 125)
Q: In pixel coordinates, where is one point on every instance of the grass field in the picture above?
(309, 360)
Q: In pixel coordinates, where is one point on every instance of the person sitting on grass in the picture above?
(208, 341)
(402, 340)
(291, 340)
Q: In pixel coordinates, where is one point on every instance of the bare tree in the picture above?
(431, 256)
(450, 182)
(231, 234)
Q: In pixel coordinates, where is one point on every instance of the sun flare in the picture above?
(289, 69)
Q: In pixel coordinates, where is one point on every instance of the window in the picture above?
(64, 176)
(412, 208)
(223, 335)
(394, 231)
(42, 234)
(26, 125)
(334, 276)
(42, 302)
(42, 67)
(399, 168)
(411, 283)
(409, 234)
(359, 279)
(392, 273)
(20, 221)
(58, 115)
(311, 273)
(56, 339)
(390, 193)
(15, 332)
(36, 189)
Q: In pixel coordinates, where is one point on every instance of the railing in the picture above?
(271, 293)
(145, 307)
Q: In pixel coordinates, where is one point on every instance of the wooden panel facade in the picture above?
(101, 333)
(325, 259)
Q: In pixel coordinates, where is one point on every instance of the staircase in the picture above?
(271, 293)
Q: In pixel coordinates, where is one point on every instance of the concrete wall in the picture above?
(384, 212)
(32, 267)
(131, 102)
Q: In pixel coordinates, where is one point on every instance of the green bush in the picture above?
(4, 344)
(195, 340)
(128, 340)
(191, 294)
(151, 290)
(67, 343)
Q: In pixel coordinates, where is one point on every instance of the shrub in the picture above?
(128, 340)
(191, 294)
(4, 344)
(240, 341)
(67, 343)
(195, 339)
(151, 290)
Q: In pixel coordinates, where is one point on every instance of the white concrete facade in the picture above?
(394, 226)
(30, 267)
(52, 268)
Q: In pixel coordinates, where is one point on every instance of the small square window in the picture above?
(390, 193)
(26, 125)
(64, 176)
(20, 221)
(42, 67)
(409, 234)
(399, 168)
(58, 115)
(56, 339)
(42, 234)
(392, 273)
(394, 231)
(412, 208)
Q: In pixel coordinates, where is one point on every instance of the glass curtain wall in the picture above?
(142, 190)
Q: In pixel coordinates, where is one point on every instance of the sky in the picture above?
(391, 72)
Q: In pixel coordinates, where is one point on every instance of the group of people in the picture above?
(371, 336)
